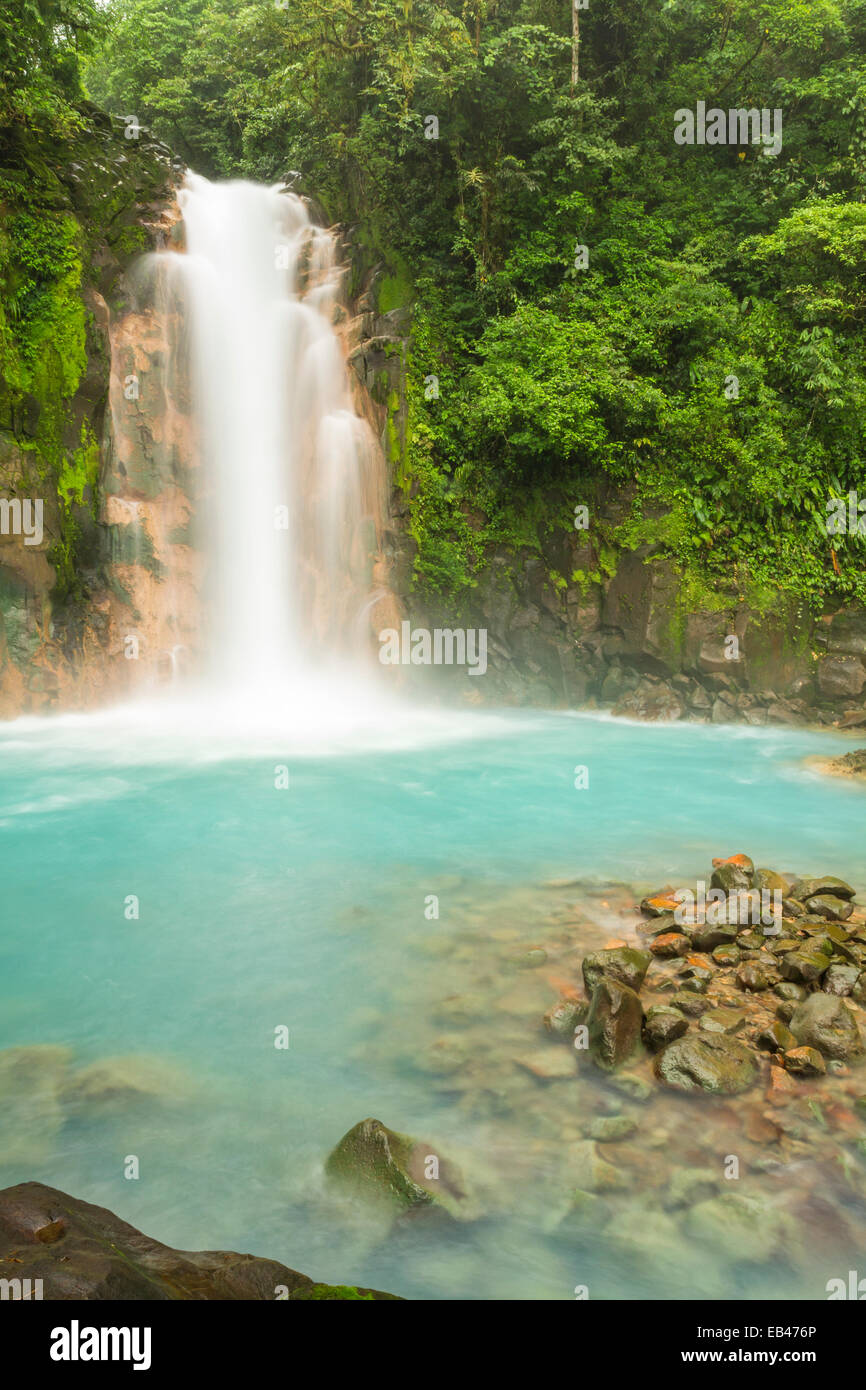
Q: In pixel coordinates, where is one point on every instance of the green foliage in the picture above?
(557, 382)
(330, 1293)
(40, 45)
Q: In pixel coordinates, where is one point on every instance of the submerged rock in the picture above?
(824, 1022)
(710, 1062)
(848, 765)
(31, 1114)
(631, 1085)
(549, 1063)
(610, 1129)
(590, 1172)
(118, 1082)
(690, 1185)
(385, 1167)
(741, 1227)
(91, 1254)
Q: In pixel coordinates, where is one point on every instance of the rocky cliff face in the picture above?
(73, 589)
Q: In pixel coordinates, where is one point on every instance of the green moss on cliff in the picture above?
(70, 218)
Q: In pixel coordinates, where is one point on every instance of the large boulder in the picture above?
(80, 1251)
(614, 1023)
(825, 1022)
(840, 677)
(710, 1062)
(398, 1172)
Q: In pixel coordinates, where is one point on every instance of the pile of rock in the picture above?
(731, 988)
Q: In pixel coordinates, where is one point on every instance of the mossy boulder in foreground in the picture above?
(80, 1251)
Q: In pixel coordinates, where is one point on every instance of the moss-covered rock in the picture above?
(614, 1023)
(710, 1062)
(383, 1167)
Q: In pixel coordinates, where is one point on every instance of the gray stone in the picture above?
(824, 1022)
(710, 1062)
(663, 1024)
(840, 677)
(840, 979)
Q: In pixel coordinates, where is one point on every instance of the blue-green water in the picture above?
(305, 907)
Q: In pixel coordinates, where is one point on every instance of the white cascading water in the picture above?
(288, 498)
(291, 502)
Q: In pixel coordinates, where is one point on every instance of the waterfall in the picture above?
(289, 512)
